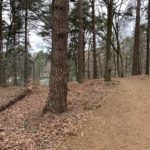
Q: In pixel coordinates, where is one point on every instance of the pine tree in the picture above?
(148, 40)
(94, 41)
(1, 43)
(108, 68)
(57, 100)
(136, 53)
(80, 43)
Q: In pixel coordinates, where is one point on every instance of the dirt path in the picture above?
(121, 123)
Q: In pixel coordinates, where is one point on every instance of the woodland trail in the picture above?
(121, 123)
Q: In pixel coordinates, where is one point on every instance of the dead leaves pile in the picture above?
(22, 127)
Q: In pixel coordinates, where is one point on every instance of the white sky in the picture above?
(37, 42)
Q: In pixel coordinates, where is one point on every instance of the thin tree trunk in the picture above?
(1, 45)
(126, 65)
(80, 44)
(84, 43)
(118, 64)
(115, 64)
(14, 42)
(26, 47)
(136, 53)
(57, 100)
(148, 40)
(100, 67)
(88, 64)
(121, 65)
(75, 59)
(120, 69)
(94, 41)
(108, 67)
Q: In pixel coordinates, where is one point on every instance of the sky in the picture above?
(37, 43)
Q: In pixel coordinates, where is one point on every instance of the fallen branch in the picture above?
(13, 100)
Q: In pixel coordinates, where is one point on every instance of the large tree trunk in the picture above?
(136, 53)
(80, 44)
(148, 40)
(1, 45)
(108, 62)
(26, 47)
(94, 41)
(57, 100)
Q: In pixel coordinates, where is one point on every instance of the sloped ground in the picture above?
(8, 93)
(122, 122)
(22, 127)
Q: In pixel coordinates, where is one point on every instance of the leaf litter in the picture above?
(22, 127)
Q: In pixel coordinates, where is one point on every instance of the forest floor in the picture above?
(121, 123)
(8, 93)
(22, 126)
(100, 116)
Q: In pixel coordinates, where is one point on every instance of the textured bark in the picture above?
(26, 46)
(80, 44)
(94, 41)
(14, 41)
(148, 40)
(1, 45)
(108, 67)
(136, 53)
(57, 100)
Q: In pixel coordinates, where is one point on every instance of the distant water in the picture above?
(44, 82)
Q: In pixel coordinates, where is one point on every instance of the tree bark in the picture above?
(136, 53)
(148, 40)
(14, 41)
(26, 47)
(108, 67)
(94, 41)
(1, 45)
(80, 43)
(57, 100)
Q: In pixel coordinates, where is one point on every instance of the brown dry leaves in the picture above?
(8, 93)
(22, 127)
